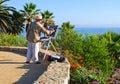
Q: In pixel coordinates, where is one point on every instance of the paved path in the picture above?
(13, 70)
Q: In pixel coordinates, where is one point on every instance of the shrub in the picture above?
(113, 43)
(70, 40)
(12, 40)
(98, 53)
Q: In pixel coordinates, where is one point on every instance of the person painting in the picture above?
(33, 37)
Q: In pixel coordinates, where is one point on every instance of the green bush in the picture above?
(70, 40)
(99, 52)
(113, 43)
(96, 52)
(85, 76)
(79, 76)
(12, 40)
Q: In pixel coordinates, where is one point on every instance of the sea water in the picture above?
(91, 30)
(97, 30)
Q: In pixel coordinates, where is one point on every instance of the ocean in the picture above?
(97, 30)
(91, 30)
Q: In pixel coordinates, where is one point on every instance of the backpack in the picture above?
(57, 57)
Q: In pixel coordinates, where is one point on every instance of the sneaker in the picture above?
(27, 62)
(37, 62)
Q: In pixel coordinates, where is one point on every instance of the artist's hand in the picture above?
(52, 31)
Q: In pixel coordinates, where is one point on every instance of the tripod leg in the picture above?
(46, 51)
(53, 46)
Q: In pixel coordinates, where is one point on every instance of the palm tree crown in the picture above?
(5, 16)
(30, 11)
(48, 18)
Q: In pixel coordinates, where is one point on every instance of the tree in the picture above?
(5, 16)
(47, 18)
(18, 23)
(30, 12)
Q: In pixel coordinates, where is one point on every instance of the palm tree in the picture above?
(30, 12)
(18, 23)
(5, 16)
(47, 18)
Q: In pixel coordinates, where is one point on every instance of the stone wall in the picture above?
(56, 73)
(13, 49)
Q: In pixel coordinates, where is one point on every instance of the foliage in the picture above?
(5, 16)
(93, 52)
(17, 23)
(81, 75)
(47, 18)
(80, 78)
(11, 21)
(12, 40)
(66, 35)
(30, 11)
(70, 40)
(113, 43)
(96, 53)
(85, 76)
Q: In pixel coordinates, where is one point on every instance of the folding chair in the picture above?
(47, 40)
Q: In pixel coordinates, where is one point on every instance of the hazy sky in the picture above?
(78, 12)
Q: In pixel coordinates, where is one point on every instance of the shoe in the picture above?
(27, 62)
(37, 62)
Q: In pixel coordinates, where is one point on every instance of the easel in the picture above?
(48, 41)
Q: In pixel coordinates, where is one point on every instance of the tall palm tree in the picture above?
(30, 12)
(18, 23)
(47, 18)
(5, 16)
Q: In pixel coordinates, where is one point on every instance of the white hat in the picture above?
(39, 17)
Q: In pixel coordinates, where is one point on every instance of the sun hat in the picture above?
(39, 17)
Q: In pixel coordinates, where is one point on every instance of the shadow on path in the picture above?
(34, 71)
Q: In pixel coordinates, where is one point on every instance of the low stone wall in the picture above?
(56, 73)
(13, 49)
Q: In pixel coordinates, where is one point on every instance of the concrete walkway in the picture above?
(14, 70)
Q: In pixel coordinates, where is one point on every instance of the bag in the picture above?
(54, 57)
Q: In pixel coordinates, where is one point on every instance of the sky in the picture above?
(88, 13)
